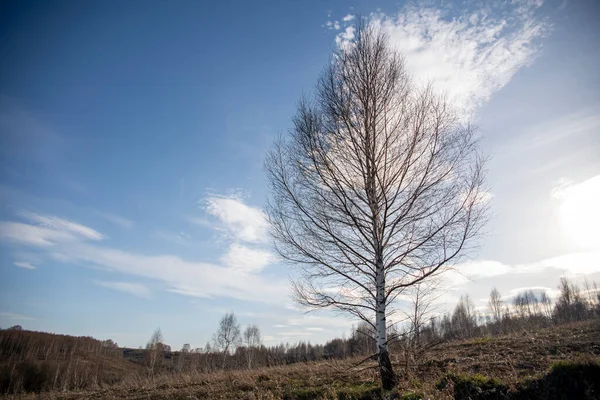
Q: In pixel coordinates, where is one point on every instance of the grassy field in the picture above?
(556, 363)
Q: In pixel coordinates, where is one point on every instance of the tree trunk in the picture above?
(388, 378)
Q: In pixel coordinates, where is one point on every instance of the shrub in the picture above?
(475, 387)
(566, 380)
(359, 392)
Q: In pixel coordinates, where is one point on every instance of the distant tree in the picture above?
(154, 351)
(364, 339)
(15, 328)
(464, 320)
(546, 305)
(379, 187)
(252, 340)
(186, 348)
(592, 296)
(519, 305)
(228, 336)
(569, 305)
(496, 305)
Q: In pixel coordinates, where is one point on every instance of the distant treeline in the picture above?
(37, 361)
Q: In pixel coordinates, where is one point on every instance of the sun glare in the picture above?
(580, 212)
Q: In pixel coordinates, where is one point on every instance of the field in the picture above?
(559, 362)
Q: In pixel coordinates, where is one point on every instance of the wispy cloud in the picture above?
(117, 220)
(61, 225)
(33, 235)
(473, 270)
(16, 317)
(181, 237)
(556, 131)
(570, 264)
(25, 264)
(469, 53)
(45, 230)
(237, 276)
(135, 289)
(237, 219)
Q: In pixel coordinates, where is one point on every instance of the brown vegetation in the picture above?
(521, 366)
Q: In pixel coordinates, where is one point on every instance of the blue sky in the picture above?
(132, 141)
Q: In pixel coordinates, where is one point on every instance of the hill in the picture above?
(554, 363)
(38, 361)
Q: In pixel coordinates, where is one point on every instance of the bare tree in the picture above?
(464, 320)
(154, 351)
(378, 187)
(421, 332)
(252, 341)
(546, 305)
(228, 336)
(570, 305)
(495, 304)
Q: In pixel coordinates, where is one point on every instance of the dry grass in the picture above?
(511, 360)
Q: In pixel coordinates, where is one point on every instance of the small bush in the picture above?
(359, 392)
(566, 380)
(474, 387)
(36, 378)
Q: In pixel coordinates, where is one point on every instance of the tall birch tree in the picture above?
(378, 187)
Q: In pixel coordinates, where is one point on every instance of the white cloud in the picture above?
(61, 225)
(333, 25)
(189, 278)
(33, 235)
(572, 264)
(25, 264)
(344, 38)
(348, 18)
(240, 221)
(235, 276)
(467, 53)
(246, 259)
(473, 270)
(135, 289)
